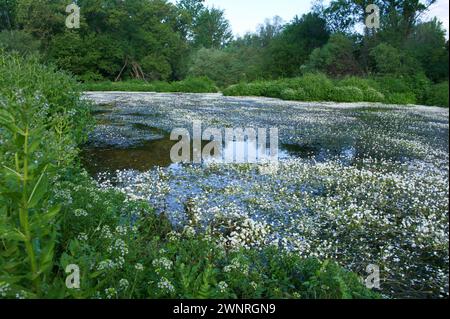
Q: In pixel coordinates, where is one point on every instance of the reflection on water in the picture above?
(142, 158)
(157, 153)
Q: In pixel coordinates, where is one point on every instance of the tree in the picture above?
(212, 29)
(291, 49)
(390, 60)
(336, 58)
(8, 10)
(122, 39)
(19, 41)
(221, 66)
(427, 44)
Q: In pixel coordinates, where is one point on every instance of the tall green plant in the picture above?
(27, 228)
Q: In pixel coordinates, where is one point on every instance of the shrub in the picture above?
(189, 85)
(293, 95)
(362, 83)
(272, 89)
(234, 90)
(419, 84)
(19, 41)
(194, 85)
(392, 84)
(438, 95)
(317, 87)
(401, 98)
(347, 94)
(372, 95)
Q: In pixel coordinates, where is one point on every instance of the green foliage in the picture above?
(42, 120)
(204, 27)
(20, 42)
(427, 44)
(401, 98)
(347, 94)
(317, 87)
(372, 95)
(336, 58)
(438, 95)
(294, 95)
(146, 259)
(222, 66)
(387, 59)
(189, 85)
(291, 49)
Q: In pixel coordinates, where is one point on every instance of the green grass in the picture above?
(189, 85)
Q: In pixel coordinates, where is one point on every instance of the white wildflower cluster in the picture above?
(123, 284)
(105, 232)
(109, 264)
(222, 286)
(80, 213)
(235, 230)
(4, 289)
(110, 293)
(162, 263)
(82, 237)
(106, 265)
(139, 267)
(122, 230)
(166, 286)
(238, 266)
(119, 246)
(174, 236)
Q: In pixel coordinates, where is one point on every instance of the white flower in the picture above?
(222, 286)
(165, 285)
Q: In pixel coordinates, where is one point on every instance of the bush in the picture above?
(19, 42)
(438, 95)
(316, 86)
(293, 95)
(194, 85)
(347, 94)
(401, 98)
(372, 95)
(362, 83)
(189, 85)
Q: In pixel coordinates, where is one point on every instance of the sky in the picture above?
(246, 15)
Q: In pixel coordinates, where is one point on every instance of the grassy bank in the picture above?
(52, 215)
(189, 85)
(318, 87)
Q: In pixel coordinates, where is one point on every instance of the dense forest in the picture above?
(159, 40)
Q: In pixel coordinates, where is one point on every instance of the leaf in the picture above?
(39, 190)
(11, 171)
(46, 260)
(50, 214)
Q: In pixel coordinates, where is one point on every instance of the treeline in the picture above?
(326, 40)
(156, 40)
(117, 39)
